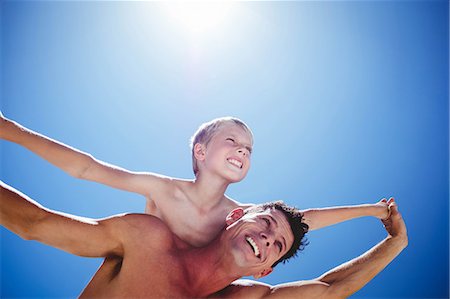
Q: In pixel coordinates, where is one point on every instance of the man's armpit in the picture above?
(244, 289)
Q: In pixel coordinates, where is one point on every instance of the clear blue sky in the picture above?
(348, 102)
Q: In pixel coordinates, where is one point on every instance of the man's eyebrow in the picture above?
(273, 219)
(282, 237)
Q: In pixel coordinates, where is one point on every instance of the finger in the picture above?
(388, 215)
(393, 208)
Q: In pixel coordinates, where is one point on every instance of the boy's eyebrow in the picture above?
(247, 147)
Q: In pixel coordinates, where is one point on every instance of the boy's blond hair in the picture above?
(207, 130)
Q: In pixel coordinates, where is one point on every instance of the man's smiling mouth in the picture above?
(254, 246)
(235, 162)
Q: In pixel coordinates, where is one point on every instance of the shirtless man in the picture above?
(143, 258)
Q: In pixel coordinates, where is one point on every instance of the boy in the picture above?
(221, 152)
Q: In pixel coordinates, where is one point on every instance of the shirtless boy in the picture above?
(143, 258)
(221, 155)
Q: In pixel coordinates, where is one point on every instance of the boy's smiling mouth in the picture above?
(235, 162)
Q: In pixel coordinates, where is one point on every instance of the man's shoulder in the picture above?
(244, 288)
(144, 228)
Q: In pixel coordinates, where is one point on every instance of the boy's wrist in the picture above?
(380, 210)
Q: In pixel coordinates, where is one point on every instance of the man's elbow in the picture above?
(335, 289)
(31, 227)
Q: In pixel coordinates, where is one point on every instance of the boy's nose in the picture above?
(242, 151)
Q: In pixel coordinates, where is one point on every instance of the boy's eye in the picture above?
(230, 139)
(267, 221)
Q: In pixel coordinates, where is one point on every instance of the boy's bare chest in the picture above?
(192, 223)
(195, 227)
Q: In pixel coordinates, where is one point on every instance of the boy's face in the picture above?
(228, 153)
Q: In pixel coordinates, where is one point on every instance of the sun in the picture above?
(197, 20)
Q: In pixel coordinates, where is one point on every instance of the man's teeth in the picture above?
(235, 162)
(254, 246)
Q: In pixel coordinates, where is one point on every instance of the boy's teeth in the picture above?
(235, 162)
(254, 246)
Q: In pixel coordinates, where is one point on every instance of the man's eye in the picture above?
(267, 221)
(230, 139)
(279, 246)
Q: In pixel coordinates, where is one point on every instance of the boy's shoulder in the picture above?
(233, 204)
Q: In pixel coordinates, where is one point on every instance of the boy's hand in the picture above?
(382, 209)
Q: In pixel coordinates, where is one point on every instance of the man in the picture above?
(143, 258)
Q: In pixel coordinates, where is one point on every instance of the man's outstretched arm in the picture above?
(78, 163)
(322, 217)
(81, 236)
(339, 282)
(350, 277)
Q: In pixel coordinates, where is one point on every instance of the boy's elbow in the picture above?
(81, 169)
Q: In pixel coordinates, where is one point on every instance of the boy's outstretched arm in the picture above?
(322, 217)
(77, 163)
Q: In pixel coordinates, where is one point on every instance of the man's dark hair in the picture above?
(295, 219)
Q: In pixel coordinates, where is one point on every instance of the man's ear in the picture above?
(199, 151)
(234, 216)
(263, 273)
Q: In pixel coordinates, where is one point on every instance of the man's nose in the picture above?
(267, 239)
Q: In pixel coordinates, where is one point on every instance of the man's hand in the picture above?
(394, 225)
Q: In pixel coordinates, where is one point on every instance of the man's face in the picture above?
(260, 239)
(228, 152)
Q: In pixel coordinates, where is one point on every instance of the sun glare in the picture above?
(199, 19)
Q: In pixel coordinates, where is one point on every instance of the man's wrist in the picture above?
(400, 241)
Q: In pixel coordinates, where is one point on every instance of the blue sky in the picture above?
(348, 102)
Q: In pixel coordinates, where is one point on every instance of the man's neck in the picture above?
(209, 269)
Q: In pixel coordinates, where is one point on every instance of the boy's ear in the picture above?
(263, 273)
(199, 151)
(234, 216)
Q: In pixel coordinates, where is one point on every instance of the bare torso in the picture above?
(189, 221)
(147, 270)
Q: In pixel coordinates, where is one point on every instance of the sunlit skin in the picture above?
(144, 259)
(226, 159)
(259, 240)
